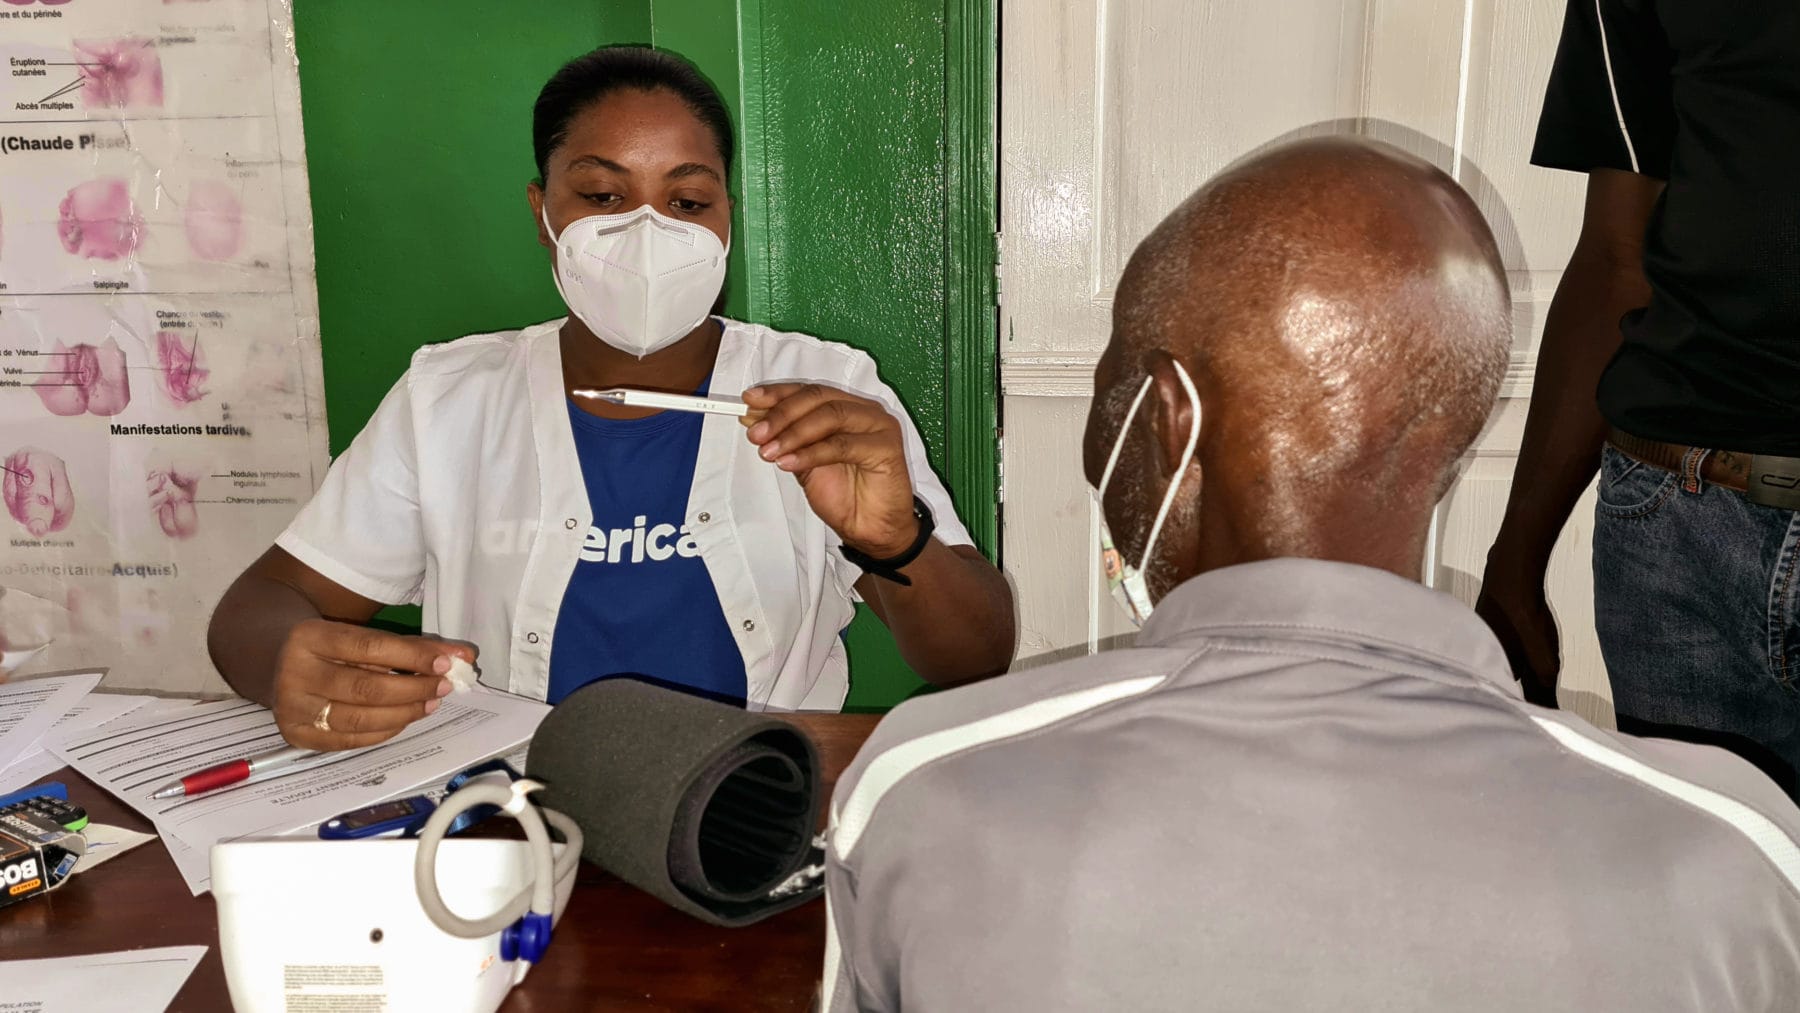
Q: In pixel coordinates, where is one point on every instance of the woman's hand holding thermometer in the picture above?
(849, 454)
(847, 451)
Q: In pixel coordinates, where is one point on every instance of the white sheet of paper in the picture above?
(133, 757)
(32, 768)
(135, 981)
(105, 843)
(29, 708)
(38, 762)
(437, 790)
(194, 864)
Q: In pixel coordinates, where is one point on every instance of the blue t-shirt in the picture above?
(640, 602)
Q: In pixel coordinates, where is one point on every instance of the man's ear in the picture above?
(1173, 411)
(534, 194)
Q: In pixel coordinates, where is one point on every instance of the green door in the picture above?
(865, 197)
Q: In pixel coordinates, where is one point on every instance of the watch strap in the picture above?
(889, 568)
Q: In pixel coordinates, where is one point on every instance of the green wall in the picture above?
(864, 190)
(418, 144)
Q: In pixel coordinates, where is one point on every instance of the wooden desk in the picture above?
(616, 947)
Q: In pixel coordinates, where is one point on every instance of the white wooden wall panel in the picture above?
(1047, 157)
(1113, 111)
(1459, 83)
(1173, 79)
(1061, 554)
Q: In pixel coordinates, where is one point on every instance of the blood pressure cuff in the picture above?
(703, 805)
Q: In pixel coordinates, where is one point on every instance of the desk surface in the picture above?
(616, 947)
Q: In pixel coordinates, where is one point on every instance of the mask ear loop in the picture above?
(556, 262)
(1187, 457)
(1124, 428)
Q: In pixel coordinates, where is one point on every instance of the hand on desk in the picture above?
(375, 683)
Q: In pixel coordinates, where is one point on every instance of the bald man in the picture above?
(1312, 784)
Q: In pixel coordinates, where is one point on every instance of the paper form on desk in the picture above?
(94, 710)
(104, 843)
(29, 708)
(133, 757)
(195, 864)
(130, 982)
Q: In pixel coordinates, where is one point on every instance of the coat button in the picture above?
(570, 524)
(531, 638)
(749, 625)
(704, 517)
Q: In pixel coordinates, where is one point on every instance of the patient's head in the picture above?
(1343, 314)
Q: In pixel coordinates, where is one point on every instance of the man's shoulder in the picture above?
(1707, 784)
(931, 729)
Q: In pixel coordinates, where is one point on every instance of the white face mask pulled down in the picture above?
(1126, 581)
(641, 281)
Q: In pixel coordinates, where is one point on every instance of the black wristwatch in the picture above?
(889, 568)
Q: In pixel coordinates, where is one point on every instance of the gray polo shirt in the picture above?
(1310, 786)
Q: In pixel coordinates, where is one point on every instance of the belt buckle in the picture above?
(1774, 482)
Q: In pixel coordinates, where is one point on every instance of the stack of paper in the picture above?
(134, 756)
(40, 712)
(37, 762)
(28, 709)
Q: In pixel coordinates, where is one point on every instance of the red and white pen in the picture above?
(234, 772)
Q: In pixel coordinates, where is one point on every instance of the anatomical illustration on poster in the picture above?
(161, 418)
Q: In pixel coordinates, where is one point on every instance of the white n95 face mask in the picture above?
(640, 280)
(1127, 582)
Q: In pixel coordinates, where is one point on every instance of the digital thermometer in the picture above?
(707, 405)
(407, 816)
(382, 819)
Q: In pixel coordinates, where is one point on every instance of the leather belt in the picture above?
(1765, 480)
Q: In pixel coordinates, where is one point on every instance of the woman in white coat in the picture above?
(555, 539)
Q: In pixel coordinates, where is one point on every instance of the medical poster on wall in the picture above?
(161, 410)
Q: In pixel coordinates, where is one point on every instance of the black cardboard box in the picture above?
(36, 856)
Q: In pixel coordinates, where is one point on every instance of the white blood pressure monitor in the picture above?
(341, 924)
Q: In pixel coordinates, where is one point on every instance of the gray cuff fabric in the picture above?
(705, 806)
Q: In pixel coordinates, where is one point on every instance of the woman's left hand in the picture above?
(850, 458)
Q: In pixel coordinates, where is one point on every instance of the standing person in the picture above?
(1671, 363)
(566, 538)
(1311, 783)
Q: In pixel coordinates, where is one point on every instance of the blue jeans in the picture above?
(1697, 601)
